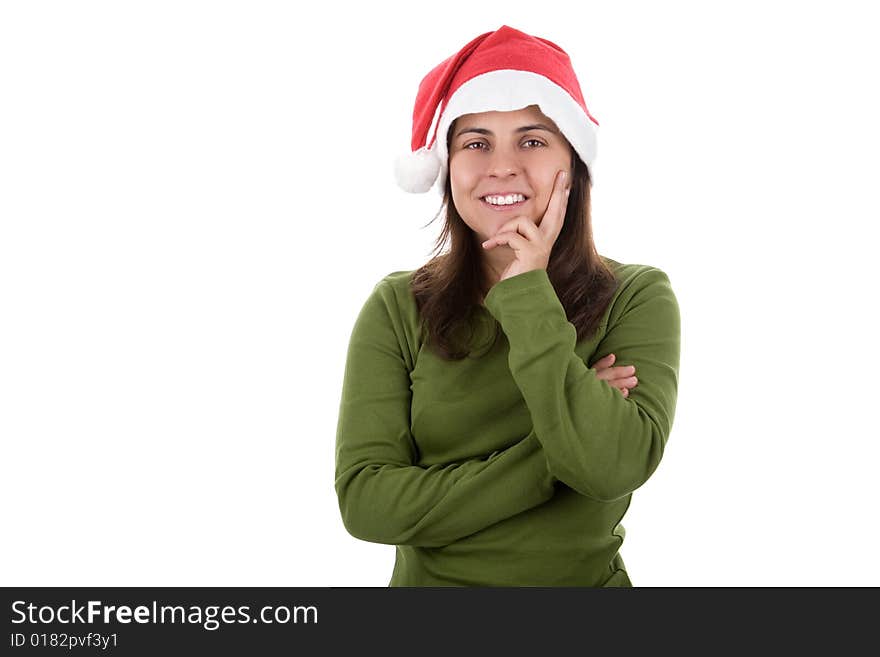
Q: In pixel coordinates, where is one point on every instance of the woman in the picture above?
(472, 435)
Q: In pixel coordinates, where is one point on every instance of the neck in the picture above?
(492, 269)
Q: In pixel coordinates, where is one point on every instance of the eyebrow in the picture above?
(525, 128)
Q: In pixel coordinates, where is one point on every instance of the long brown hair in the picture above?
(449, 288)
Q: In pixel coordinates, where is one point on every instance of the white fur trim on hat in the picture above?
(507, 90)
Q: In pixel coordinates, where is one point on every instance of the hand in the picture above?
(532, 243)
(620, 376)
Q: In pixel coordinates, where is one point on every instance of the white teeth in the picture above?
(505, 200)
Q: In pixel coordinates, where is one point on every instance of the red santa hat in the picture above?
(503, 70)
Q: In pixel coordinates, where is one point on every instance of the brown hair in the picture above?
(448, 289)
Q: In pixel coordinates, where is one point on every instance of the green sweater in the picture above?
(512, 467)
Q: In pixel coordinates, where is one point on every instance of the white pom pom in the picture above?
(417, 170)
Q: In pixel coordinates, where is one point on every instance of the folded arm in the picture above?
(383, 496)
(596, 441)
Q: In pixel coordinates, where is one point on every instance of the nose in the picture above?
(503, 161)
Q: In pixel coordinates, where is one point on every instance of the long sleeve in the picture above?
(596, 441)
(383, 496)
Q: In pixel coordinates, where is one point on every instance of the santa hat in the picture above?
(502, 70)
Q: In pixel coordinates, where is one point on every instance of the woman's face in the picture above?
(501, 154)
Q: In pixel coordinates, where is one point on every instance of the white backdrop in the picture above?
(196, 198)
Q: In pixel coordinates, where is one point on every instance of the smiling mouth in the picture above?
(505, 202)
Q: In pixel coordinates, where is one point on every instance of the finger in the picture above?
(617, 381)
(520, 224)
(528, 229)
(621, 370)
(625, 392)
(605, 361)
(492, 242)
(624, 370)
(617, 385)
(551, 223)
(513, 240)
(509, 226)
(628, 382)
(620, 375)
(611, 375)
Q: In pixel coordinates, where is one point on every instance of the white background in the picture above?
(197, 197)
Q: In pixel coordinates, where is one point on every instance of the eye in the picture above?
(473, 143)
(536, 141)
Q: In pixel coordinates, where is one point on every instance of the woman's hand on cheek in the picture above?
(531, 243)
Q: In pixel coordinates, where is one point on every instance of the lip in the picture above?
(507, 193)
